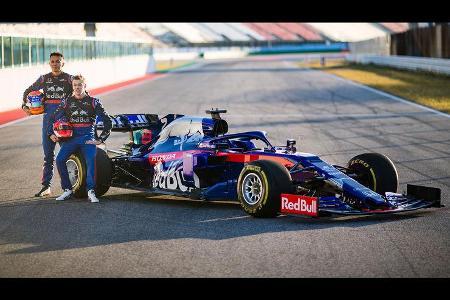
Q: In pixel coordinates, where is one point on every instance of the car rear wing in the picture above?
(131, 122)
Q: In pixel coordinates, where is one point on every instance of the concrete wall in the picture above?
(98, 73)
(377, 46)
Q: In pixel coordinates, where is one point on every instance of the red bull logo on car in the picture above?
(298, 204)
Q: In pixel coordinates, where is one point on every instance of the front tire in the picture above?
(375, 171)
(260, 185)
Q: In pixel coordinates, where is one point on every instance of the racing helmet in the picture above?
(62, 129)
(34, 102)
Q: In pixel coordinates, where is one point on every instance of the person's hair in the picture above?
(78, 77)
(56, 54)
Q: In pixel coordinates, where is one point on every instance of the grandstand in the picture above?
(395, 27)
(302, 30)
(258, 28)
(263, 34)
(106, 31)
(228, 32)
(188, 32)
(349, 32)
(29, 43)
(247, 31)
(212, 35)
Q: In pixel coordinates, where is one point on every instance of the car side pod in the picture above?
(425, 193)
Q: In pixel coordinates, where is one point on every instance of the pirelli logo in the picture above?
(300, 205)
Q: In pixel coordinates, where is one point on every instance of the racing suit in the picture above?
(55, 88)
(81, 113)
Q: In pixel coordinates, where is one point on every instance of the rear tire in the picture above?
(103, 175)
(76, 165)
(260, 186)
(375, 171)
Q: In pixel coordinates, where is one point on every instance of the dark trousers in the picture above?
(49, 153)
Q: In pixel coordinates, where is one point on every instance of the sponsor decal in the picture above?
(300, 205)
(162, 157)
(79, 119)
(118, 122)
(359, 161)
(253, 168)
(171, 178)
(55, 96)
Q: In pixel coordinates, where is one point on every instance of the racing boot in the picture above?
(45, 191)
(66, 195)
(92, 197)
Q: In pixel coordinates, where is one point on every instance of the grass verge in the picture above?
(427, 89)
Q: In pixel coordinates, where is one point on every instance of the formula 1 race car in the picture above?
(195, 157)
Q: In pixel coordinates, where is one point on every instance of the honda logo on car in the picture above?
(297, 204)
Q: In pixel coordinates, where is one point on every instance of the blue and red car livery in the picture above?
(195, 157)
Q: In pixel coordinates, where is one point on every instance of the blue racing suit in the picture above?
(81, 114)
(55, 88)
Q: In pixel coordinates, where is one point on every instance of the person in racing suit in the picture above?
(80, 110)
(56, 85)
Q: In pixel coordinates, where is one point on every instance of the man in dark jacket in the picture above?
(80, 110)
(56, 85)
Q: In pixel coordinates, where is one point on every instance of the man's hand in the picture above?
(26, 109)
(54, 138)
(94, 142)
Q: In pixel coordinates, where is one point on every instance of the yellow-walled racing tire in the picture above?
(260, 185)
(375, 171)
(76, 166)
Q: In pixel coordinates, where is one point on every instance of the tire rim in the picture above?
(74, 172)
(252, 189)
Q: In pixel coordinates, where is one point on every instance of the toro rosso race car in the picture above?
(195, 157)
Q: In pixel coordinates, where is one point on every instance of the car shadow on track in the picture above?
(48, 225)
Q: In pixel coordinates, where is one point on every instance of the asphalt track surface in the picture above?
(132, 234)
